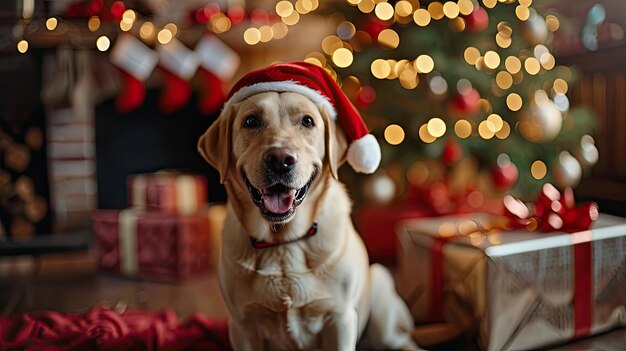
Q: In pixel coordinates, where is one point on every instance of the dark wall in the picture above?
(146, 140)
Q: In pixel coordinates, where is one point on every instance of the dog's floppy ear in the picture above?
(336, 143)
(215, 144)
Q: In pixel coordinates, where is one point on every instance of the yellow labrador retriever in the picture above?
(293, 271)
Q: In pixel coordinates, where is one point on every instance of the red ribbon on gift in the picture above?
(555, 211)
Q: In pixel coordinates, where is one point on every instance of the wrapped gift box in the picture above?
(376, 225)
(152, 245)
(167, 192)
(516, 290)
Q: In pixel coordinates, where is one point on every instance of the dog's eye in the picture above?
(252, 121)
(307, 121)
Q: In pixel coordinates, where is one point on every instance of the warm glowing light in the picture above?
(538, 169)
(408, 78)
(424, 64)
(222, 24)
(292, 19)
(490, 3)
(384, 11)
(466, 7)
(560, 86)
(380, 68)
(436, 127)
(22, 46)
(522, 12)
(514, 102)
(504, 132)
(392, 64)
(331, 43)
(146, 30)
(492, 59)
(51, 23)
(421, 17)
(93, 23)
(457, 24)
(266, 33)
(366, 6)
(495, 122)
(463, 128)
(342, 57)
(471, 54)
(503, 41)
(284, 8)
(526, 3)
(484, 131)
(547, 61)
(451, 9)
(436, 10)
(513, 64)
(388, 39)
(164, 36)
(129, 16)
(404, 8)
(252, 36)
(103, 43)
(394, 134)
(425, 135)
(552, 22)
(532, 66)
(126, 25)
(172, 28)
(280, 30)
(504, 80)
(504, 28)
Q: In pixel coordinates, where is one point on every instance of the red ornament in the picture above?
(236, 14)
(466, 104)
(504, 177)
(477, 21)
(452, 152)
(366, 97)
(373, 26)
(117, 10)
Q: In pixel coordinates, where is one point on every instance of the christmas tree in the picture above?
(462, 89)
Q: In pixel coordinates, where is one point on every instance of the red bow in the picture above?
(552, 211)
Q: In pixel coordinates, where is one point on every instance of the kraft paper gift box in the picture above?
(516, 290)
(167, 192)
(153, 245)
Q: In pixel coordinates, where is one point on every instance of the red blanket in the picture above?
(104, 329)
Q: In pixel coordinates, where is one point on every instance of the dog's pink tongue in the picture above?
(279, 203)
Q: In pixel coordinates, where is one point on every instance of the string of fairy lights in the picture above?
(263, 25)
(507, 70)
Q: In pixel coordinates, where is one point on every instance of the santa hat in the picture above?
(315, 83)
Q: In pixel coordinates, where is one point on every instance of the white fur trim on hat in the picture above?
(364, 154)
(283, 86)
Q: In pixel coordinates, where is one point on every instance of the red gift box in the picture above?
(152, 245)
(168, 192)
(377, 224)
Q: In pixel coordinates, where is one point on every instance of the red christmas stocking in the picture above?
(132, 95)
(176, 93)
(212, 95)
(178, 64)
(135, 62)
(218, 64)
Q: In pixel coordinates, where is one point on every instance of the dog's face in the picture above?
(279, 144)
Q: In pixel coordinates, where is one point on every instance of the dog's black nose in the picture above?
(280, 160)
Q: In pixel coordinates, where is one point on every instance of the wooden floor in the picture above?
(71, 283)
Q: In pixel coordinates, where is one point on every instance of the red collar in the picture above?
(264, 244)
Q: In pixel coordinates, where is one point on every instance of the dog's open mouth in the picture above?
(278, 202)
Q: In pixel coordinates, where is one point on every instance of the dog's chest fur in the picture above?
(297, 295)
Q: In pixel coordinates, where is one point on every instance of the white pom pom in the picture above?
(364, 154)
